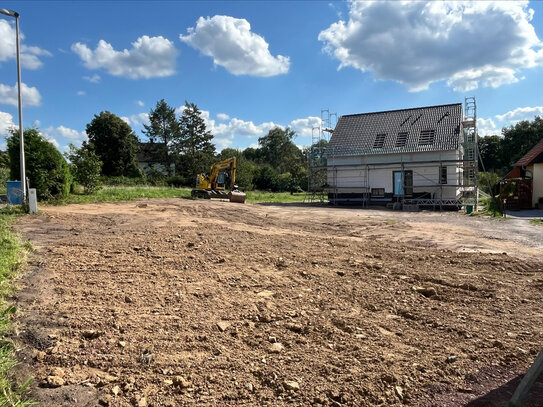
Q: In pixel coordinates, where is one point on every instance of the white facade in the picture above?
(537, 179)
(433, 175)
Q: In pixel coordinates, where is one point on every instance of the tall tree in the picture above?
(164, 128)
(520, 138)
(490, 148)
(279, 151)
(115, 144)
(195, 148)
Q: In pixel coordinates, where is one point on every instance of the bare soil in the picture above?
(175, 302)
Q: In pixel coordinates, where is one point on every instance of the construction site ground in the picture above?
(174, 302)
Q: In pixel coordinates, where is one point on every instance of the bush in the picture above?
(178, 181)
(123, 181)
(491, 206)
(4, 178)
(267, 179)
(47, 170)
(486, 179)
(156, 178)
(86, 166)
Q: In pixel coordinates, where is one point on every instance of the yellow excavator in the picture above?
(221, 183)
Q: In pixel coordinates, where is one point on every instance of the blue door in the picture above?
(398, 183)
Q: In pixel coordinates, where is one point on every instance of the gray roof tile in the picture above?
(355, 134)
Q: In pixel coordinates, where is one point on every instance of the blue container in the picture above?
(15, 193)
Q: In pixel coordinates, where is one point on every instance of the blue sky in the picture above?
(253, 65)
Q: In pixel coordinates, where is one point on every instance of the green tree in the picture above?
(490, 148)
(279, 151)
(520, 138)
(267, 179)
(86, 166)
(164, 128)
(115, 144)
(252, 154)
(246, 170)
(46, 168)
(194, 147)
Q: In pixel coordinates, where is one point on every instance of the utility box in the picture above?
(32, 200)
(15, 193)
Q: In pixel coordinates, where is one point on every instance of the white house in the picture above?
(149, 158)
(415, 156)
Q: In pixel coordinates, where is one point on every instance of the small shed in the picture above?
(522, 187)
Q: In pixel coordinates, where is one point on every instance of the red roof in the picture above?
(531, 155)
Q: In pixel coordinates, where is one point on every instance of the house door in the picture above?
(403, 183)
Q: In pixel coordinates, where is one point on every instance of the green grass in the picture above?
(129, 193)
(116, 194)
(12, 254)
(537, 222)
(279, 197)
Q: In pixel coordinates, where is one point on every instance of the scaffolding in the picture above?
(317, 169)
(323, 170)
(470, 154)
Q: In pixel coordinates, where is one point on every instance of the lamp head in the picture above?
(9, 13)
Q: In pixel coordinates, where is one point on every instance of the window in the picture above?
(442, 175)
(379, 140)
(401, 140)
(378, 192)
(427, 137)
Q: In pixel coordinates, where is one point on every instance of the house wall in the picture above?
(148, 167)
(359, 174)
(537, 193)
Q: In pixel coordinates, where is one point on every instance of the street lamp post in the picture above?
(11, 13)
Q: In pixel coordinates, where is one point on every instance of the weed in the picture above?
(537, 222)
(12, 253)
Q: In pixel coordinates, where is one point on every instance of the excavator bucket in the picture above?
(237, 196)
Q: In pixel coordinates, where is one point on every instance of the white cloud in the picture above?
(224, 133)
(65, 132)
(149, 57)
(93, 79)
(468, 44)
(29, 54)
(6, 124)
(304, 127)
(61, 136)
(81, 93)
(140, 103)
(521, 113)
(230, 130)
(487, 127)
(232, 45)
(51, 140)
(138, 119)
(9, 95)
(493, 126)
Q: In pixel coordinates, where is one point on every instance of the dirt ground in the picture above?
(176, 302)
